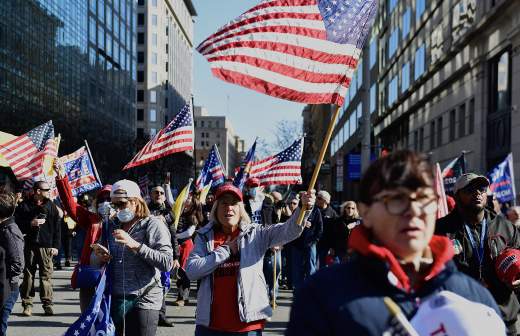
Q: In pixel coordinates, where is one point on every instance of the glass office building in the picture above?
(73, 62)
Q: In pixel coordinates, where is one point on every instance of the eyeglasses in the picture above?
(119, 205)
(399, 204)
(44, 189)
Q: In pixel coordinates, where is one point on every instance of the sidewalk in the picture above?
(66, 309)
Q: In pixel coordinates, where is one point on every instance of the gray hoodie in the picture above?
(133, 272)
(254, 240)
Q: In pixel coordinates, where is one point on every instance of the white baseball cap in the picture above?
(447, 313)
(125, 189)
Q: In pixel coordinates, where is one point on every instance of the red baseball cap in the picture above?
(253, 182)
(229, 188)
(105, 191)
(507, 265)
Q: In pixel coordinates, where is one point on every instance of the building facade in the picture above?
(72, 62)
(164, 62)
(438, 77)
(216, 130)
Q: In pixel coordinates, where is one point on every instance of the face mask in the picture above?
(252, 192)
(125, 215)
(104, 209)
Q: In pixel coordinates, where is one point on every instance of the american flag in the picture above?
(213, 171)
(176, 137)
(300, 50)
(282, 168)
(25, 154)
(245, 168)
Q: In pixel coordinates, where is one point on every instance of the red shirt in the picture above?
(224, 308)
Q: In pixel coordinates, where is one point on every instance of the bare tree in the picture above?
(286, 132)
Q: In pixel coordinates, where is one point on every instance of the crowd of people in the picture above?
(348, 266)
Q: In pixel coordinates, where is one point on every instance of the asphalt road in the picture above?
(66, 309)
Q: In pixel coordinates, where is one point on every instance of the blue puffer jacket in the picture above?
(347, 299)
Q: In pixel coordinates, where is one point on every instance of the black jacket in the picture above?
(11, 239)
(452, 226)
(165, 212)
(341, 233)
(328, 216)
(310, 235)
(46, 235)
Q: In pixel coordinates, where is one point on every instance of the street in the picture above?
(66, 309)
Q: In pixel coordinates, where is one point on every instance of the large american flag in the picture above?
(213, 171)
(300, 50)
(176, 137)
(25, 154)
(282, 168)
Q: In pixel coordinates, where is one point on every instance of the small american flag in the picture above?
(282, 168)
(244, 170)
(25, 154)
(176, 137)
(300, 50)
(213, 171)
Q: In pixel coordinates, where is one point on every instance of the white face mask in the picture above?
(125, 215)
(104, 209)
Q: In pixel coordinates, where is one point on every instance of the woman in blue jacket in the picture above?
(396, 255)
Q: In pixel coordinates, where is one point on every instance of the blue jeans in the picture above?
(303, 264)
(203, 331)
(268, 272)
(8, 307)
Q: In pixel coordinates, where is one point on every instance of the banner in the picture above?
(80, 172)
(452, 172)
(503, 180)
(442, 204)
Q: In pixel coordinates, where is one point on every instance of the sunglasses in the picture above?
(44, 189)
(471, 189)
(158, 192)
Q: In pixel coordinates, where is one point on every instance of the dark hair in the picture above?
(39, 185)
(194, 212)
(402, 168)
(7, 204)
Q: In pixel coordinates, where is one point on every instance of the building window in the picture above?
(140, 114)
(373, 52)
(202, 123)
(93, 6)
(202, 144)
(393, 42)
(462, 120)
(471, 116)
(353, 123)
(140, 96)
(405, 77)
(432, 134)
(202, 135)
(153, 97)
(140, 19)
(360, 75)
(140, 57)
(391, 5)
(154, 20)
(166, 66)
(101, 37)
(392, 91)
(154, 77)
(420, 58)
(452, 125)
(500, 83)
(439, 132)
(140, 38)
(140, 133)
(154, 39)
(101, 10)
(139, 3)
(209, 124)
(421, 139)
(154, 3)
(166, 102)
(416, 140)
(154, 58)
(140, 76)
(152, 115)
(420, 7)
(153, 132)
(406, 22)
(217, 124)
(373, 93)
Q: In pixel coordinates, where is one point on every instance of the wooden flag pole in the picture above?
(320, 159)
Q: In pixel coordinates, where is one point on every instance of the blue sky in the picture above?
(252, 114)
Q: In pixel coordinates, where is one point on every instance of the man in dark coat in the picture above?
(39, 219)
(479, 235)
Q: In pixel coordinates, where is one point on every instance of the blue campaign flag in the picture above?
(245, 168)
(81, 171)
(96, 319)
(503, 180)
(212, 172)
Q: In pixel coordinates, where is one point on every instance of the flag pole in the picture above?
(321, 156)
(93, 163)
(274, 280)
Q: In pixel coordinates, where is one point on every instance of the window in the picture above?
(421, 139)
(393, 42)
(439, 132)
(405, 77)
(139, 3)
(154, 39)
(109, 45)
(373, 52)
(109, 18)
(471, 116)
(140, 19)
(420, 56)
(353, 123)
(416, 140)
(500, 98)
(140, 57)
(152, 115)
(93, 6)
(406, 22)
(202, 144)
(101, 10)
(432, 134)
(140, 38)
(391, 5)
(452, 125)
(140, 114)
(154, 3)
(101, 37)
(392, 91)
(217, 123)
(166, 102)
(154, 58)
(202, 123)
(420, 6)
(140, 76)
(462, 120)
(154, 77)
(202, 135)
(166, 66)
(140, 133)
(154, 20)
(360, 75)
(153, 132)
(153, 97)
(92, 30)
(140, 95)
(373, 93)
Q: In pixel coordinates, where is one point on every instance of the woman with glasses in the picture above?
(395, 255)
(140, 248)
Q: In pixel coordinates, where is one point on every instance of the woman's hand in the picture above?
(122, 237)
(308, 199)
(59, 168)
